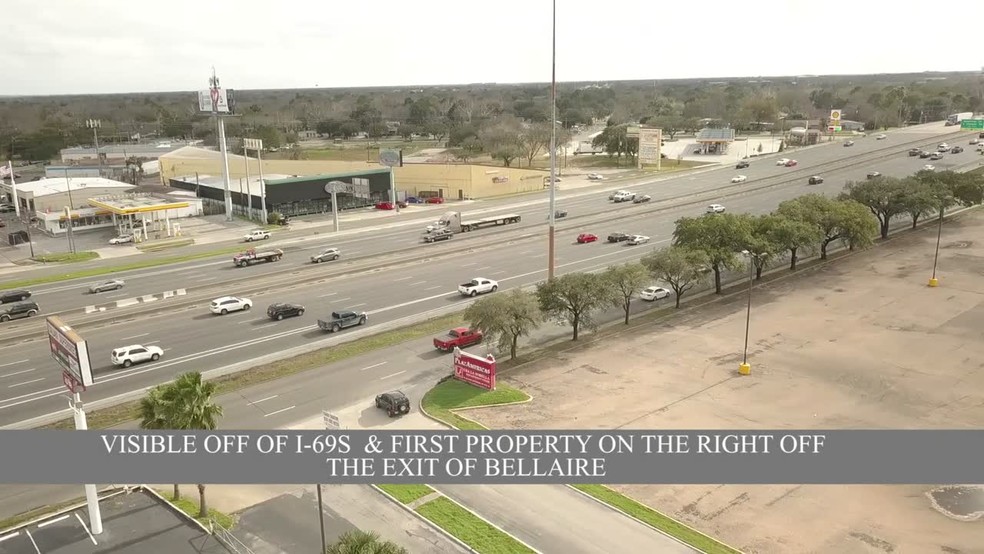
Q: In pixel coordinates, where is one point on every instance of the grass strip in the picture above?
(452, 394)
(407, 494)
(470, 529)
(67, 257)
(665, 524)
(166, 245)
(129, 411)
(95, 271)
(190, 507)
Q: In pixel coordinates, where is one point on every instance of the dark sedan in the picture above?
(14, 296)
(742, 165)
(618, 237)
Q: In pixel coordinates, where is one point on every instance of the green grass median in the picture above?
(407, 494)
(666, 524)
(470, 529)
(66, 257)
(97, 271)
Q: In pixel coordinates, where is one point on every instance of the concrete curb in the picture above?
(181, 513)
(111, 491)
(428, 522)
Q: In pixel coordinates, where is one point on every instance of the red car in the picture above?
(435, 200)
(384, 206)
(586, 237)
(790, 163)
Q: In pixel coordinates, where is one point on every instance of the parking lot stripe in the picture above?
(56, 520)
(279, 411)
(86, 527)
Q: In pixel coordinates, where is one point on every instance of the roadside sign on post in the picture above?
(331, 420)
(391, 157)
(474, 370)
(71, 352)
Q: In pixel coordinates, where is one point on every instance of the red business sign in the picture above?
(475, 370)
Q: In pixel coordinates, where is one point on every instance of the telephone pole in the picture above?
(553, 148)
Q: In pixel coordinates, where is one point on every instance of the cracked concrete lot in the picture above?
(858, 343)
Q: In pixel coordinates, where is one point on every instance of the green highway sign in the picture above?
(976, 124)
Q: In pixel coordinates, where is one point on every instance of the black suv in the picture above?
(742, 165)
(816, 180)
(19, 310)
(341, 320)
(279, 311)
(914, 152)
(394, 402)
(618, 237)
(14, 295)
(956, 150)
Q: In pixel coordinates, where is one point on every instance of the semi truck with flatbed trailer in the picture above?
(454, 222)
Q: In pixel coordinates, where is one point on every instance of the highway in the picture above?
(220, 275)
(194, 339)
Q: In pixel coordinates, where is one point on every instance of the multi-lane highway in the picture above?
(194, 339)
(67, 296)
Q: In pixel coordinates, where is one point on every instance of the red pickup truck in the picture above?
(460, 337)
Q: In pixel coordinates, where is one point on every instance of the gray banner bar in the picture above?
(493, 457)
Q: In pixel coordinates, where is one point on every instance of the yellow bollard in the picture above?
(745, 369)
(934, 282)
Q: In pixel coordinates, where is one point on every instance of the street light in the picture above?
(745, 368)
(933, 281)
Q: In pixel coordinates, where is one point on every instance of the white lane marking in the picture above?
(18, 372)
(279, 411)
(24, 383)
(434, 287)
(206, 278)
(497, 273)
(196, 274)
(264, 326)
(36, 549)
(404, 278)
(151, 342)
(86, 527)
(417, 283)
(168, 348)
(373, 365)
(53, 521)
(329, 294)
(263, 399)
(13, 363)
(525, 252)
(393, 375)
(135, 336)
(10, 536)
(357, 305)
(120, 295)
(469, 264)
(483, 267)
(342, 299)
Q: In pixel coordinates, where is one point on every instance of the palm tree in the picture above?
(154, 415)
(193, 409)
(186, 404)
(364, 542)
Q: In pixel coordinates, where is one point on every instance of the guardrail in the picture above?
(383, 260)
(226, 537)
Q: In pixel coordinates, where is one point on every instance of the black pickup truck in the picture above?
(341, 320)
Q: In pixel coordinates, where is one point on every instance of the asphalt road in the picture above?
(373, 241)
(194, 339)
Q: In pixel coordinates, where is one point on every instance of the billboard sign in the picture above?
(474, 370)
(70, 351)
(650, 145)
(391, 157)
(835, 116)
(215, 100)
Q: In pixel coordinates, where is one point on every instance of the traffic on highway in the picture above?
(194, 336)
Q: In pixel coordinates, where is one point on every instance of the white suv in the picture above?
(134, 354)
(624, 196)
(256, 234)
(227, 304)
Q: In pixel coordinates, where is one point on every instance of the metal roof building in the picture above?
(121, 152)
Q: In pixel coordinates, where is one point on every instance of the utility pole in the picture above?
(95, 124)
(553, 148)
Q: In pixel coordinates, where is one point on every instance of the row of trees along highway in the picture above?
(503, 122)
(706, 246)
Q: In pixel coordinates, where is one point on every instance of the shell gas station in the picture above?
(143, 214)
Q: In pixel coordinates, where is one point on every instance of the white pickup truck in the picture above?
(478, 285)
(256, 234)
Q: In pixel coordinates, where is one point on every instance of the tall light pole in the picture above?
(95, 124)
(745, 368)
(553, 146)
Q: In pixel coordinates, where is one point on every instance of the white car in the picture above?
(122, 239)
(478, 285)
(134, 354)
(942, 147)
(256, 234)
(651, 294)
(715, 209)
(617, 193)
(596, 177)
(638, 239)
(929, 167)
(227, 304)
(739, 179)
(624, 196)
(974, 141)
(783, 161)
(881, 137)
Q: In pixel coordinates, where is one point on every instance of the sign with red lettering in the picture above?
(474, 370)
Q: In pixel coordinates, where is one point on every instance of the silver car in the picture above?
(112, 284)
(326, 254)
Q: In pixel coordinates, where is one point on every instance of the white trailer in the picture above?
(453, 221)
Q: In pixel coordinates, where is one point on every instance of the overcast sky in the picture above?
(116, 46)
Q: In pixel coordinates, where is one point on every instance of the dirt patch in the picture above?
(861, 343)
